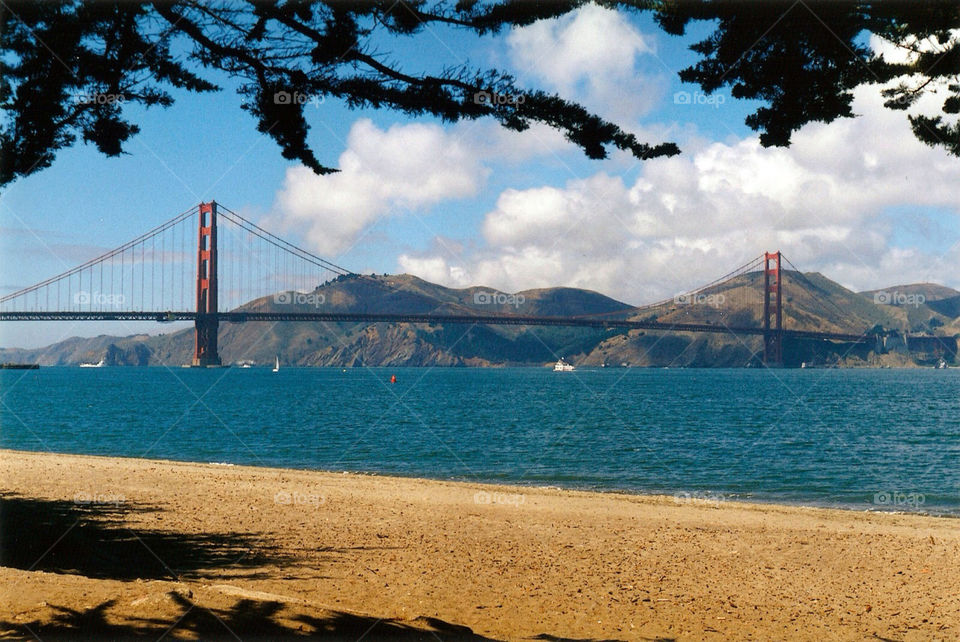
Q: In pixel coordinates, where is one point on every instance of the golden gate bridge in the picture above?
(210, 257)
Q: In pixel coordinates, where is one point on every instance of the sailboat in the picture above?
(276, 367)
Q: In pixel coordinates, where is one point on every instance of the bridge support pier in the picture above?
(772, 310)
(207, 322)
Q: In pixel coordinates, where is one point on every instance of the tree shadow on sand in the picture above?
(554, 638)
(91, 539)
(249, 620)
(244, 620)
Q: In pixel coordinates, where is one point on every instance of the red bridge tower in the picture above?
(207, 322)
(772, 307)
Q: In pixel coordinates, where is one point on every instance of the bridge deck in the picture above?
(364, 317)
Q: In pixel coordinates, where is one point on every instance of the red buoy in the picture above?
(393, 378)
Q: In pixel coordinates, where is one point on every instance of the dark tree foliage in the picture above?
(65, 71)
(803, 58)
(68, 69)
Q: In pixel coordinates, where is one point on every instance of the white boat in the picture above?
(562, 366)
(99, 364)
(276, 367)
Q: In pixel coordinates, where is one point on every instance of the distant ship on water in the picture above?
(99, 364)
(563, 366)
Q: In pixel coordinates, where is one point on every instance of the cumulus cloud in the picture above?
(591, 55)
(591, 52)
(825, 202)
(381, 171)
(406, 167)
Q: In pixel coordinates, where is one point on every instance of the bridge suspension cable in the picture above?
(750, 266)
(210, 263)
(280, 243)
(822, 299)
(157, 271)
(108, 275)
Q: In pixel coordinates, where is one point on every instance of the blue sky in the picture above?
(508, 210)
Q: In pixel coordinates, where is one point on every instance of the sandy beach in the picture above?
(115, 548)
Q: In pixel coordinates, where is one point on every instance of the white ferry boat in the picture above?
(562, 366)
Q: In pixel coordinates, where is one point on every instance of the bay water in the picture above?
(864, 439)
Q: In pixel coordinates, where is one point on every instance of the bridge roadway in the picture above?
(367, 317)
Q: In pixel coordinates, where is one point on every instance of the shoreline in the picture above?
(141, 547)
(501, 366)
(679, 497)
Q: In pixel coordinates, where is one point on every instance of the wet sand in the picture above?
(110, 547)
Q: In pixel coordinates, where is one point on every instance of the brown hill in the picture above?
(811, 302)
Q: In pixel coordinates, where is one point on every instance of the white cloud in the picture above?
(404, 168)
(589, 55)
(907, 50)
(891, 52)
(689, 219)
(523, 217)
